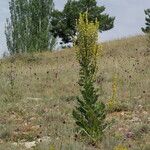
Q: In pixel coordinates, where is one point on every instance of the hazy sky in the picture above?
(129, 15)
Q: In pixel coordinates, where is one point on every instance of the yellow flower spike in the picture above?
(120, 147)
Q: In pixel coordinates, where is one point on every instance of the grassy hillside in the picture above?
(38, 93)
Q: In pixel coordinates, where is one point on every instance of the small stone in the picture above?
(145, 112)
(140, 106)
(29, 145)
(57, 138)
(120, 129)
(1, 141)
(122, 113)
(136, 119)
(15, 143)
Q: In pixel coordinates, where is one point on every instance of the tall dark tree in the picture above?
(64, 22)
(28, 28)
(147, 28)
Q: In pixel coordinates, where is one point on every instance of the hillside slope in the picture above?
(38, 93)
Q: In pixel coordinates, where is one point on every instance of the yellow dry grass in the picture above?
(45, 87)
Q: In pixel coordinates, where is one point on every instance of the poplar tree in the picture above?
(90, 112)
(41, 37)
(16, 27)
(28, 28)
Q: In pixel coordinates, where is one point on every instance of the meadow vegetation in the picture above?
(38, 93)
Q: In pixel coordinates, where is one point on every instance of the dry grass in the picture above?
(44, 91)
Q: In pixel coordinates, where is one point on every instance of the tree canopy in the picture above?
(64, 22)
(28, 28)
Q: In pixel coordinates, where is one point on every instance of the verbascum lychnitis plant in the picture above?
(120, 147)
(89, 113)
(52, 147)
(112, 103)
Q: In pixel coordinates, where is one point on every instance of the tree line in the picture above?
(35, 25)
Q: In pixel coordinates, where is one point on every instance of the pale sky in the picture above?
(129, 15)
